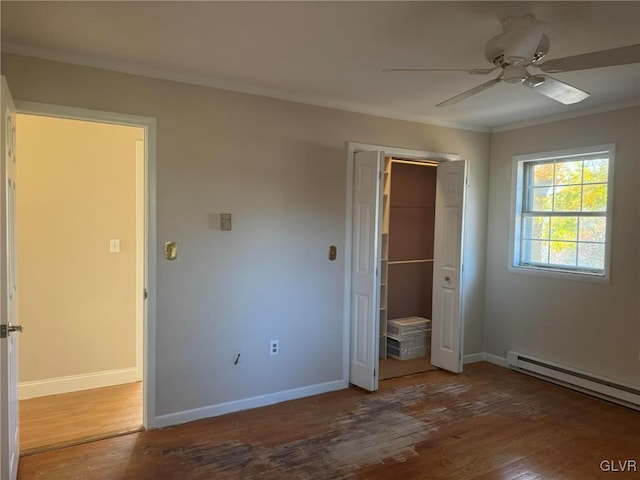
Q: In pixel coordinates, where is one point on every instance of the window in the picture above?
(562, 221)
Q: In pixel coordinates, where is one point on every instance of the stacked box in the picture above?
(408, 337)
(408, 327)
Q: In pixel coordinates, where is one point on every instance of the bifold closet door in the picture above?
(365, 265)
(446, 323)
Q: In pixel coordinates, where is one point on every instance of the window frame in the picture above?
(518, 188)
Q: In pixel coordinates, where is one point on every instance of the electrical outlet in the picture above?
(274, 347)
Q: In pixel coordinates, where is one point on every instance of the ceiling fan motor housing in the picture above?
(494, 50)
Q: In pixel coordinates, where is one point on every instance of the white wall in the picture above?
(280, 169)
(593, 327)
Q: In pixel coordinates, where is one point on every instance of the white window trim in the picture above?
(516, 207)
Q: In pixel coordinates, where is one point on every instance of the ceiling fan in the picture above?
(522, 45)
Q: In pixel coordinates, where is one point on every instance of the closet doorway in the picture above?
(367, 261)
(406, 283)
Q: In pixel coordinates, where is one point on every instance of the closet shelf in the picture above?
(413, 206)
(398, 262)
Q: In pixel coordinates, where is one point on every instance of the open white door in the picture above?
(446, 334)
(9, 433)
(365, 264)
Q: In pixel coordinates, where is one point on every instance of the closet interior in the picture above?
(406, 280)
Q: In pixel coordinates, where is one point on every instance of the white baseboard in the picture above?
(54, 386)
(496, 360)
(485, 357)
(246, 404)
(277, 397)
(473, 358)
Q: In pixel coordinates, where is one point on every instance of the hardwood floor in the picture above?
(68, 418)
(487, 423)
(392, 368)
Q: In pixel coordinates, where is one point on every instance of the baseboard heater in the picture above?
(607, 389)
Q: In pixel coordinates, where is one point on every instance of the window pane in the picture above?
(568, 173)
(564, 228)
(541, 199)
(596, 171)
(591, 255)
(562, 215)
(592, 229)
(542, 174)
(536, 228)
(535, 251)
(594, 198)
(563, 253)
(567, 199)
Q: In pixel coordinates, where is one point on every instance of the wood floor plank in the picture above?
(393, 368)
(70, 418)
(487, 423)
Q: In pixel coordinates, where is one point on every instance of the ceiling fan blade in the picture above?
(603, 58)
(555, 89)
(469, 93)
(522, 36)
(472, 71)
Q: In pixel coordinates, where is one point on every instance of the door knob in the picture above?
(15, 328)
(446, 279)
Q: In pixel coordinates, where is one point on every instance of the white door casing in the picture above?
(9, 426)
(446, 324)
(365, 265)
(150, 420)
(140, 256)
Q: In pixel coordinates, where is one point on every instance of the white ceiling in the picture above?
(333, 53)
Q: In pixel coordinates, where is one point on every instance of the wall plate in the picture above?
(225, 222)
(170, 250)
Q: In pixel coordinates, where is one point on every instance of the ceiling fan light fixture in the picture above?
(515, 73)
(534, 81)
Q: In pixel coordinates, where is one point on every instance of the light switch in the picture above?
(225, 221)
(114, 245)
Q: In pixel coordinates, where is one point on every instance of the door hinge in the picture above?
(374, 373)
(3, 331)
(145, 294)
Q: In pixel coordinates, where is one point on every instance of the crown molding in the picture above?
(205, 81)
(567, 115)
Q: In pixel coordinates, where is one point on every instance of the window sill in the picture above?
(561, 274)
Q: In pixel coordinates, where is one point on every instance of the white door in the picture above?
(9, 433)
(365, 264)
(446, 333)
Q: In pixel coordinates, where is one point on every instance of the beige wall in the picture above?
(280, 168)
(589, 326)
(76, 300)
